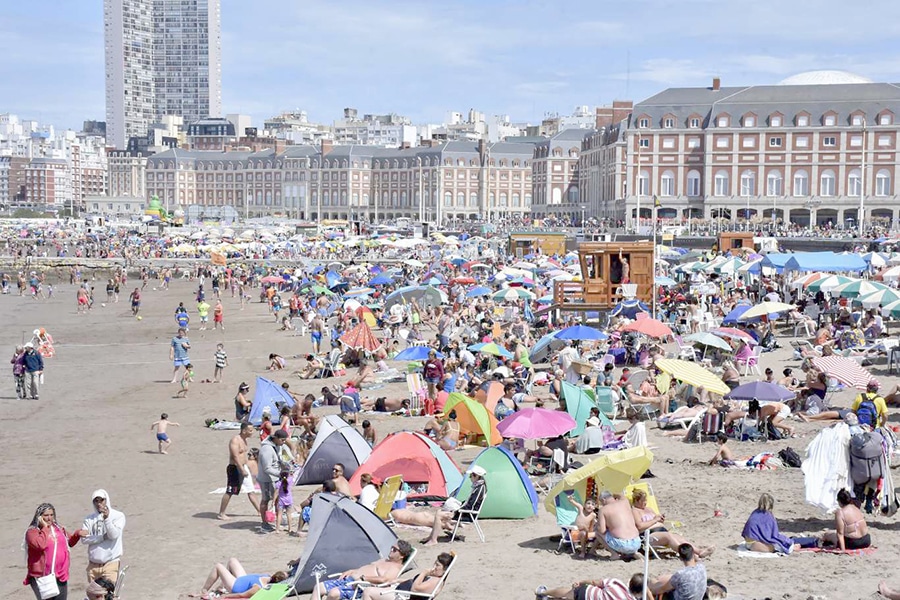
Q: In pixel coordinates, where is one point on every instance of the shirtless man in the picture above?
(380, 571)
(615, 527)
(341, 485)
(316, 328)
(237, 464)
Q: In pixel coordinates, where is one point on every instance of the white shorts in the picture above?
(784, 413)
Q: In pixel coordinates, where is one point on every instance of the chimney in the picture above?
(717, 84)
(326, 147)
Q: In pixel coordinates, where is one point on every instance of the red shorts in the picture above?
(217, 318)
(82, 300)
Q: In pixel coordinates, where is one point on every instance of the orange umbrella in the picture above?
(650, 327)
(364, 313)
(361, 338)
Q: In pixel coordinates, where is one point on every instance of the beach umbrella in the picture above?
(473, 417)
(416, 353)
(708, 340)
(548, 299)
(365, 314)
(612, 472)
(629, 308)
(581, 332)
(826, 283)
(845, 370)
(381, 280)
(892, 273)
(892, 309)
(418, 264)
(546, 346)
(665, 281)
(351, 304)
(808, 279)
(272, 279)
(536, 424)
(426, 296)
(859, 287)
(692, 374)
(356, 292)
(733, 334)
(478, 291)
(491, 348)
(361, 338)
(512, 294)
(876, 259)
(768, 309)
(649, 327)
(735, 314)
(463, 280)
(762, 391)
(729, 266)
(880, 298)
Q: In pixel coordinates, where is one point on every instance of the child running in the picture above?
(221, 362)
(161, 435)
(285, 503)
(186, 378)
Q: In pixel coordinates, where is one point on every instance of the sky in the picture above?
(423, 58)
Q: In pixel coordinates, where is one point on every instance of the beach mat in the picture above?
(743, 550)
(857, 552)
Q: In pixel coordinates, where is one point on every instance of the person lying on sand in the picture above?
(596, 588)
(232, 581)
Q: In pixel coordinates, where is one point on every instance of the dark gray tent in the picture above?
(343, 534)
(336, 442)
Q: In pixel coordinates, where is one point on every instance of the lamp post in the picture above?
(653, 260)
(583, 239)
(421, 191)
(862, 182)
(637, 227)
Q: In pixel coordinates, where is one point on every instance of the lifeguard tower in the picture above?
(602, 286)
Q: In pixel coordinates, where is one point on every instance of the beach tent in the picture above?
(578, 404)
(336, 442)
(825, 261)
(268, 394)
(510, 493)
(343, 535)
(423, 464)
(774, 260)
(473, 417)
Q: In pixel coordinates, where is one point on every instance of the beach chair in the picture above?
(358, 586)
(565, 518)
(752, 362)
(386, 498)
(685, 352)
(652, 504)
(556, 470)
(607, 401)
(332, 362)
(417, 390)
(412, 595)
(685, 422)
(471, 515)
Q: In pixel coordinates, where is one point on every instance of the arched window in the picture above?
(883, 183)
(473, 199)
(403, 199)
(826, 183)
(572, 195)
(748, 184)
(516, 199)
(854, 183)
(667, 184)
(801, 183)
(644, 183)
(774, 184)
(504, 198)
(693, 184)
(460, 199)
(722, 184)
(448, 198)
(393, 199)
(557, 196)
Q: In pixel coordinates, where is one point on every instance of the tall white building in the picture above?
(163, 57)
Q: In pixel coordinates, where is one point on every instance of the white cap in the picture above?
(593, 422)
(477, 470)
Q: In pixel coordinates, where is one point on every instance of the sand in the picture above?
(110, 381)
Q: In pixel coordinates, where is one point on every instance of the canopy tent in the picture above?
(825, 261)
(336, 442)
(392, 457)
(268, 395)
(773, 260)
(581, 332)
(473, 417)
(612, 472)
(510, 493)
(343, 535)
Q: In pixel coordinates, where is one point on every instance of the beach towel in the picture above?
(826, 468)
(856, 552)
(636, 436)
(743, 550)
(225, 425)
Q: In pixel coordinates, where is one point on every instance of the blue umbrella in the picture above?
(457, 261)
(433, 281)
(581, 332)
(665, 281)
(629, 308)
(548, 299)
(762, 391)
(479, 290)
(365, 291)
(732, 317)
(416, 353)
(332, 278)
(381, 280)
(544, 346)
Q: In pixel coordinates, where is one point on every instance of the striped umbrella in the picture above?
(883, 298)
(859, 287)
(892, 309)
(733, 334)
(491, 348)
(809, 278)
(767, 309)
(692, 373)
(512, 294)
(827, 283)
(845, 370)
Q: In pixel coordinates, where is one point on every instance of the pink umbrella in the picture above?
(536, 423)
(734, 334)
(846, 370)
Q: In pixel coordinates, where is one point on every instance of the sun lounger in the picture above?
(387, 496)
(412, 595)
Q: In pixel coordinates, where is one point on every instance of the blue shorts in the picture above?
(626, 547)
(343, 585)
(181, 362)
(163, 437)
(316, 336)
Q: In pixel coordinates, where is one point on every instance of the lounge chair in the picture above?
(386, 498)
(652, 504)
(120, 582)
(565, 518)
(358, 585)
(471, 515)
(332, 362)
(411, 595)
(685, 351)
(607, 401)
(417, 389)
(556, 467)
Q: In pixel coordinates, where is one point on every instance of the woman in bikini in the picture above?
(448, 438)
(851, 531)
(424, 584)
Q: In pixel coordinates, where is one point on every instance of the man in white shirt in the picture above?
(102, 532)
(566, 356)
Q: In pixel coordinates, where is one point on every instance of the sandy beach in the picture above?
(110, 380)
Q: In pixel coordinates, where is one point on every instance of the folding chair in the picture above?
(752, 362)
(565, 519)
(471, 515)
(685, 352)
(417, 389)
(556, 467)
(359, 585)
(607, 401)
(332, 362)
(411, 595)
(386, 497)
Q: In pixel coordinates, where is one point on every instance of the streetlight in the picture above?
(583, 239)
(637, 227)
(862, 181)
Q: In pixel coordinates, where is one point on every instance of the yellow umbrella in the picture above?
(612, 472)
(765, 309)
(692, 374)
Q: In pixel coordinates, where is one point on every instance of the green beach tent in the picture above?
(510, 494)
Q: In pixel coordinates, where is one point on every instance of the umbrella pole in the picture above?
(646, 563)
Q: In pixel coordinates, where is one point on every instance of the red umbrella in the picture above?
(463, 280)
(272, 279)
(733, 334)
(650, 327)
(361, 338)
(845, 370)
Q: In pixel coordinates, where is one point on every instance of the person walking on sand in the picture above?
(219, 315)
(18, 363)
(102, 532)
(135, 299)
(178, 352)
(161, 427)
(237, 467)
(186, 378)
(34, 371)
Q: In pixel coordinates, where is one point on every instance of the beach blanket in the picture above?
(857, 552)
(744, 551)
(225, 425)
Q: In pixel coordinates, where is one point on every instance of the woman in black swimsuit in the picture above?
(425, 583)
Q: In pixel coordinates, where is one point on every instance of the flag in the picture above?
(656, 203)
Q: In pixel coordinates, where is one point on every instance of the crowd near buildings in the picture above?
(815, 149)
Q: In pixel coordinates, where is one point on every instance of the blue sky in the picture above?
(423, 58)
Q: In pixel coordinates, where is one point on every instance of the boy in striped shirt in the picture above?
(221, 361)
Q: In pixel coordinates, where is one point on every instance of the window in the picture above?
(749, 121)
(668, 143)
(802, 141)
(829, 141)
(722, 121)
(644, 183)
(473, 199)
(693, 184)
(748, 184)
(775, 142)
(774, 184)
(775, 121)
(644, 123)
(460, 199)
(693, 143)
(883, 183)
(721, 184)
(884, 141)
(826, 183)
(694, 123)
(855, 141)
(669, 123)
(448, 198)
(884, 120)
(858, 120)
(721, 142)
(802, 120)
(801, 183)
(644, 143)
(829, 120)
(667, 184)
(854, 183)
(748, 142)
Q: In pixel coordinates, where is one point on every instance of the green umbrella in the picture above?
(827, 283)
(859, 287)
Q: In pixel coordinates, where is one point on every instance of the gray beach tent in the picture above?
(336, 442)
(343, 534)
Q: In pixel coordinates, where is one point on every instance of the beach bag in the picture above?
(867, 413)
(47, 586)
(865, 457)
(790, 457)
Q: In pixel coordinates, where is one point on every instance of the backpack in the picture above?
(867, 413)
(865, 457)
(790, 457)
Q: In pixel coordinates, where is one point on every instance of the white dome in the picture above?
(824, 78)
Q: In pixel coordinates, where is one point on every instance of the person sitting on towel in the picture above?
(851, 531)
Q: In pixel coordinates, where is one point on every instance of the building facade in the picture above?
(163, 57)
(557, 176)
(12, 180)
(48, 184)
(127, 174)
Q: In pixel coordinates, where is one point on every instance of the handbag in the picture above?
(46, 585)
